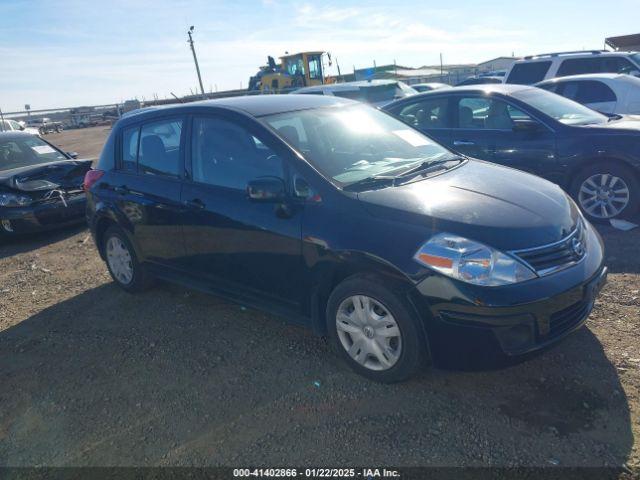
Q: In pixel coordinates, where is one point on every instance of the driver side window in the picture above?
(226, 154)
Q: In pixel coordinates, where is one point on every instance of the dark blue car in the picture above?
(346, 220)
(593, 157)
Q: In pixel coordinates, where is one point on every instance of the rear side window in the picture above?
(426, 114)
(588, 91)
(608, 64)
(528, 73)
(576, 66)
(159, 152)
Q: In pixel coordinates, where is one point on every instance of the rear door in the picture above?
(147, 184)
(231, 240)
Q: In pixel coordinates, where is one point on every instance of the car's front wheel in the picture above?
(374, 330)
(605, 191)
(122, 262)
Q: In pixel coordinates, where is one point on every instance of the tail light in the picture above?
(91, 177)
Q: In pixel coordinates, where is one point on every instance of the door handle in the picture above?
(196, 204)
(462, 143)
(121, 190)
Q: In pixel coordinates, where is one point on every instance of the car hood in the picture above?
(66, 175)
(501, 207)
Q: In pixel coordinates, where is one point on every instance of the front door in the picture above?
(230, 239)
(492, 129)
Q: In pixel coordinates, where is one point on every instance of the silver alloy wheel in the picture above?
(603, 195)
(119, 260)
(368, 332)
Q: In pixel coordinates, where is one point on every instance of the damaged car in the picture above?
(40, 186)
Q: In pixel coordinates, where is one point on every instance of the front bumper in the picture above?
(515, 319)
(42, 216)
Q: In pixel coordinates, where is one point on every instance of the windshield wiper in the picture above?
(370, 181)
(423, 167)
(429, 166)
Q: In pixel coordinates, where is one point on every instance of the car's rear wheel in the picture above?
(605, 191)
(375, 330)
(122, 262)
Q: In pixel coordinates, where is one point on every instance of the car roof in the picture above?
(14, 134)
(504, 88)
(483, 89)
(576, 54)
(254, 105)
(588, 76)
(348, 85)
(426, 84)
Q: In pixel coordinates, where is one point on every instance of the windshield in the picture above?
(350, 144)
(25, 151)
(561, 108)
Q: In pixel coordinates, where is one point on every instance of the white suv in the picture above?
(535, 68)
(611, 93)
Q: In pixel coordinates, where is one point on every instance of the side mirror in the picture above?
(526, 125)
(21, 127)
(73, 154)
(266, 190)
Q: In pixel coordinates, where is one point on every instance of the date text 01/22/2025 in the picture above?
(367, 473)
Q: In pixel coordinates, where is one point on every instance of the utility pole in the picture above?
(195, 59)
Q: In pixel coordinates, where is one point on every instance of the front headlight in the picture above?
(472, 262)
(14, 200)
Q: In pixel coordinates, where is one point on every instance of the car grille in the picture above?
(556, 256)
(567, 318)
(55, 196)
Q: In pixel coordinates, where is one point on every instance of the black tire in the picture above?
(626, 174)
(142, 278)
(413, 354)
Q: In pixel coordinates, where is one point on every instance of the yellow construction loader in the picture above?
(297, 70)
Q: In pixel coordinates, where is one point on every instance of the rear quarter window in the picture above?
(528, 73)
(595, 64)
(107, 159)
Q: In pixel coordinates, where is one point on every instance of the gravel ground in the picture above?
(86, 142)
(91, 375)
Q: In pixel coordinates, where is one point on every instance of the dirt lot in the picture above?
(86, 142)
(91, 375)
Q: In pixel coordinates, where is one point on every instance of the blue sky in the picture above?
(73, 52)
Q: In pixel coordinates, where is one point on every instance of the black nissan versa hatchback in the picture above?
(342, 218)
